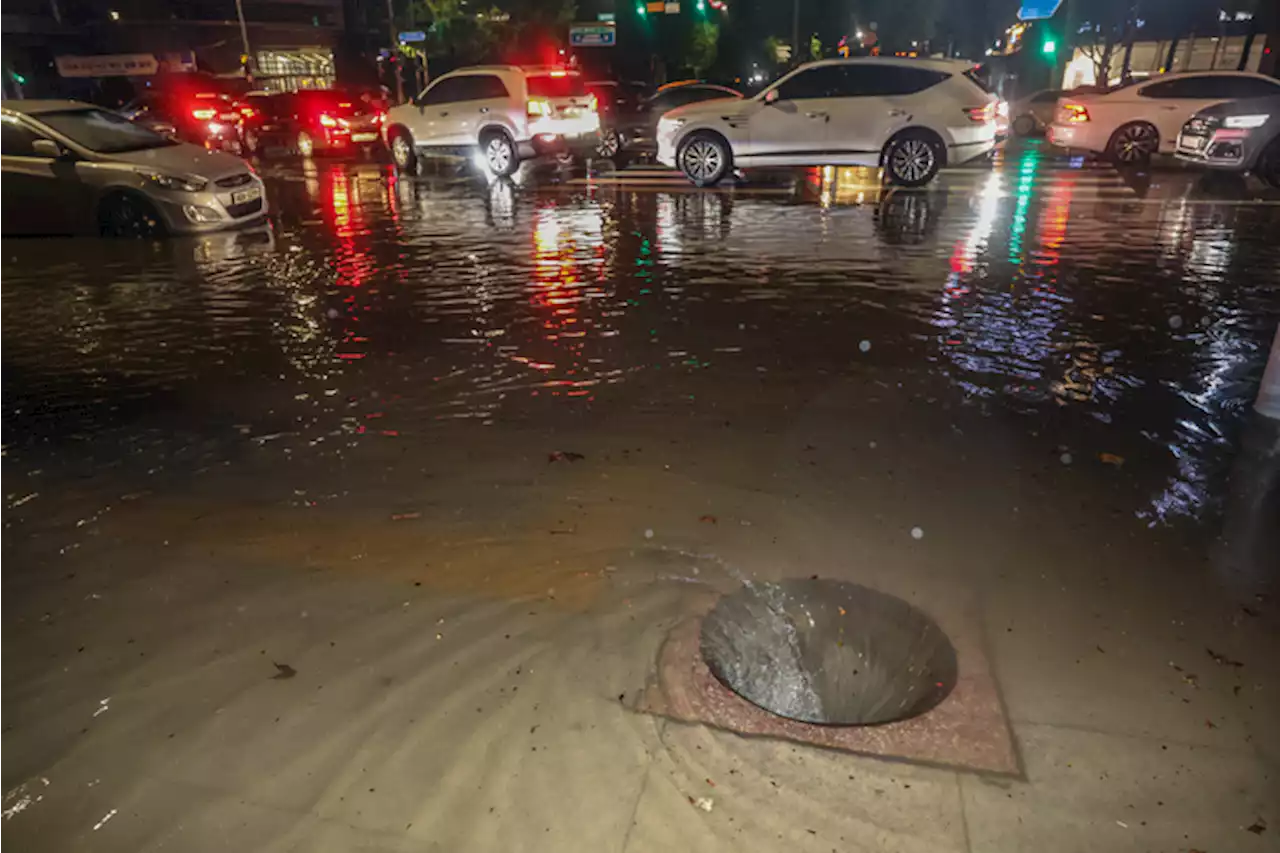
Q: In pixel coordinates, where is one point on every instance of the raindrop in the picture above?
(333, 313)
(865, 346)
(1066, 458)
(648, 534)
(1175, 322)
(917, 533)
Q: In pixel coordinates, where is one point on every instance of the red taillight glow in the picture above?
(1075, 112)
(981, 115)
(559, 72)
(379, 118)
(327, 120)
(203, 114)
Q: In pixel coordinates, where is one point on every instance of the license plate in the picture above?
(246, 195)
(363, 137)
(1195, 143)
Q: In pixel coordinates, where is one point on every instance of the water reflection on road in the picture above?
(377, 303)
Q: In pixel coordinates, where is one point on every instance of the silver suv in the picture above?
(73, 168)
(510, 113)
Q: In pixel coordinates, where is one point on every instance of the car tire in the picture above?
(609, 144)
(1024, 125)
(126, 215)
(402, 151)
(913, 158)
(498, 150)
(705, 158)
(1267, 168)
(1133, 144)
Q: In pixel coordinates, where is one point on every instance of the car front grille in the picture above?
(1201, 125)
(234, 180)
(244, 209)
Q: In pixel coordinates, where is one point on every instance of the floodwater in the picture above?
(427, 440)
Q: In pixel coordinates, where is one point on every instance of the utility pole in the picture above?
(249, 64)
(393, 58)
(795, 32)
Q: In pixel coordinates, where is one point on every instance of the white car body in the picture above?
(460, 108)
(847, 129)
(1090, 122)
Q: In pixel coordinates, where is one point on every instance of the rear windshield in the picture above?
(553, 86)
(343, 103)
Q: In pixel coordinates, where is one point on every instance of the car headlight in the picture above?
(1243, 122)
(669, 125)
(181, 183)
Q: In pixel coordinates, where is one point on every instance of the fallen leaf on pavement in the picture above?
(1222, 659)
(283, 671)
(564, 456)
(708, 519)
(1111, 459)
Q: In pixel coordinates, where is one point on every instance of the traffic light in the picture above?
(641, 11)
(1049, 46)
(701, 6)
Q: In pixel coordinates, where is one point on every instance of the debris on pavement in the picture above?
(917, 533)
(1111, 459)
(704, 803)
(405, 516)
(1223, 660)
(708, 519)
(1258, 827)
(564, 456)
(283, 671)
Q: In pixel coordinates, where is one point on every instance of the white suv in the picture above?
(1131, 123)
(911, 116)
(511, 113)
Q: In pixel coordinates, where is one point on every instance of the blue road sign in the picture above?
(593, 35)
(1038, 10)
(413, 35)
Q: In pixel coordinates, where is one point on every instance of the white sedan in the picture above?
(1131, 123)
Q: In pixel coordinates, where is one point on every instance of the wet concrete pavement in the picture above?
(301, 553)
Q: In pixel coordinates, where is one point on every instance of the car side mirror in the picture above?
(49, 148)
(771, 96)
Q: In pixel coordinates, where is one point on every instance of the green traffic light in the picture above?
(702, 6)
(641, 11)
(1049, 46)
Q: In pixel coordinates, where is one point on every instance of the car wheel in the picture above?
(304, 144)
(1024, 125)
(129, 216)
(912, 158)
(610, 143)
(1133, 144)
(705, 158)
(1268, 166)
(402, 153)
(499, 153)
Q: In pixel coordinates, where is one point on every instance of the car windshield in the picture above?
(556, 85)
(102, 131)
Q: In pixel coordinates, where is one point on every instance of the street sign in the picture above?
(412, 36)
(606, 17)
(108, 65)
(672, 8)
(1038, 10)
(657, 7)
(592, 35)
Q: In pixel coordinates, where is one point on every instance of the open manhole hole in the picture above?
(822, 651)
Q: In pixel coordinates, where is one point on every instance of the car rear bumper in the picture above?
(1085, 135)
(963, 153)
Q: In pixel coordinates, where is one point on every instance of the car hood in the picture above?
(184, 159)
(1250, 106)
(714, 107)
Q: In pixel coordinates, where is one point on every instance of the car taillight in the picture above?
(379, 118)
(327, 120)
(538, 107)
(203, 114)
(1074, 112)
(982, 114)
(593, 103)
(248, 112)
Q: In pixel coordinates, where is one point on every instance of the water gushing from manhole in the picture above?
(822, 651)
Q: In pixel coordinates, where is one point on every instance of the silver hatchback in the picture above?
(73, 168)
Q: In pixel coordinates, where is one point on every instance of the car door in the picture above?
(793, 119)
(487, 105)
(436, 123)
(41, 195)
(875, 101)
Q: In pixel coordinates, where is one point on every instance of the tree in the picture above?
(700, 46)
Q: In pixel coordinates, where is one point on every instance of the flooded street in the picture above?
(371, 528)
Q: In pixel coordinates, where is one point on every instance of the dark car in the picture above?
(202, 117)
(629, 121)
(314, 121)
(1236, 136)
